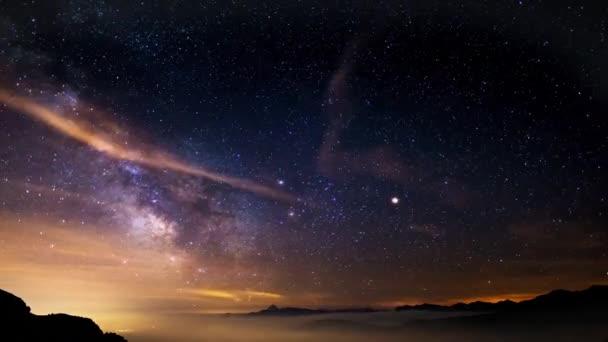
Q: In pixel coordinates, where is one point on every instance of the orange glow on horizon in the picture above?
(515, 297)
(57, 268)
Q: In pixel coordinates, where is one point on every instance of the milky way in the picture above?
(225, 156)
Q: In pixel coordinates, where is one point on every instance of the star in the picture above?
(395, 200)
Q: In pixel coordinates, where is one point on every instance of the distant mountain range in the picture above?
(560, 315)
(595, 297)
(18, 324)
(274, 310)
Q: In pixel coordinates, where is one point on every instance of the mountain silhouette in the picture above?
(274, 310)
(591, 299)
(18, 324)
(560, 315)
(556, 316)
(473, 306)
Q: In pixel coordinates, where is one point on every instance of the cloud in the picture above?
(234, 295)
(382, 161)
(105, 142)
(334, 159)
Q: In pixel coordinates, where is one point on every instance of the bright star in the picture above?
(395, 200)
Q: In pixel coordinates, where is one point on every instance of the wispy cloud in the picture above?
(103, 141)
(235, 295)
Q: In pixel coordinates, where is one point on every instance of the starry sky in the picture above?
(212, 156)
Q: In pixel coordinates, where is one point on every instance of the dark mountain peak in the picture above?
(593, 298)
(272, 308)
(12, 306)
(17, 323)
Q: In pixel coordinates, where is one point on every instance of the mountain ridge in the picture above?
(274, 310)
(596, 296)
(19, 324)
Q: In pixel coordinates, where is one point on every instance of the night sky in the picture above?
(223, 155)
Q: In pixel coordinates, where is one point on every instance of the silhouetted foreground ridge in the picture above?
(18, 324)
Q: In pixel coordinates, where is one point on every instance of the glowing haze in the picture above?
(120, 282)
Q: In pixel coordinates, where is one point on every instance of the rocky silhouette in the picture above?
(18, 324)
